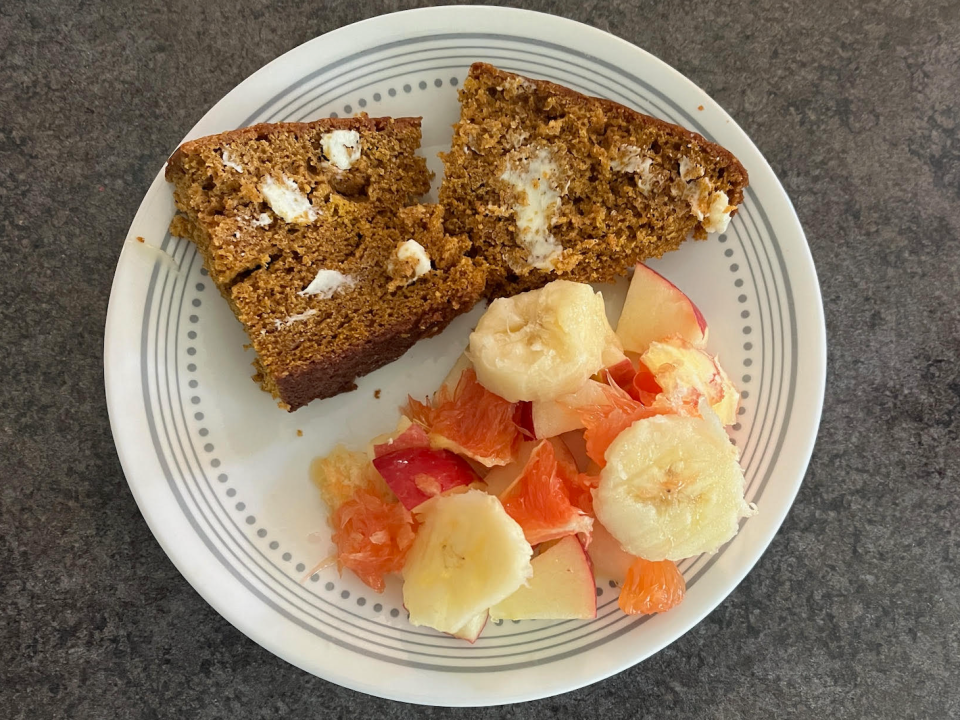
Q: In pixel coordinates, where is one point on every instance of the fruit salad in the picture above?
(555, 448)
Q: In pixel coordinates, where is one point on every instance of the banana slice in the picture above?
(672, 487)
(468, 555)
(541, 344)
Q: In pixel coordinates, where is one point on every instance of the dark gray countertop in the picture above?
(853, 612)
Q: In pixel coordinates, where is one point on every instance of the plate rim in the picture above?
(455, 13)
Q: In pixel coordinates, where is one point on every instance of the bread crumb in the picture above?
(153, 253)
(376, 393)
(299, 433)
(699, 107)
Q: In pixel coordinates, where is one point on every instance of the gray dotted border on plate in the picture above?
(742, 298)
(348, 109)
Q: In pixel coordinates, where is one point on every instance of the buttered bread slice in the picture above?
(314, 235)
(548, 183)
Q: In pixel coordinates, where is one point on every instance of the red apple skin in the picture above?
(654, 309)
(413, 437)
(401, 468)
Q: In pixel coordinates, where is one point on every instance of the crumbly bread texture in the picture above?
(549, 183)
(312, 233)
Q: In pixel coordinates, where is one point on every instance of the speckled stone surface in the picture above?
(853, 612)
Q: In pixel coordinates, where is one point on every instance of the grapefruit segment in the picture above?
(343, 473)
(580, 486)
(651, 587)
(644, 386)
(471, 421)
(637, 381)
(372, 537)
(539, 499)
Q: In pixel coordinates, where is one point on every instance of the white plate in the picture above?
(220, 473)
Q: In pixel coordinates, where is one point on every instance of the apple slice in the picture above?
(471, 631)
(655, 309)
(562, 587)
(610, 561)
(416, 474)
(555, 417)
(686, 373)
(409, 435)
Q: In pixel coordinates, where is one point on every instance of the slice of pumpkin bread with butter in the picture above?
(549, 183)
(314, 235)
